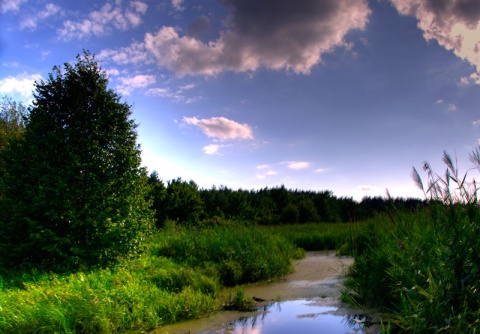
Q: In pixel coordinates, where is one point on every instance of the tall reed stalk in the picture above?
(421, 270)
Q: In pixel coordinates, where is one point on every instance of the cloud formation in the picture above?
(127, 85)
(454, 24)
(221, 128)
(175, 95)
(276, 35)
(10, 5)
(31, 22)
(178, 5)
(22, 84)
(101, 22)
(297, 165)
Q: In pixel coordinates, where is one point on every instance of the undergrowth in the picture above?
(180, 277)
(421, 270)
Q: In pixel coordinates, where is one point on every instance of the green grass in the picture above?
(320, 236)
(179, 277)
(236, 255)
(422, 270)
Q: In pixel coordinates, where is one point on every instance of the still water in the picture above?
(296, 316)
(310, 303)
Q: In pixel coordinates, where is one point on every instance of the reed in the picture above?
(421, 270)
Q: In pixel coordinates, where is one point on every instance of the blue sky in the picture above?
(340, 95)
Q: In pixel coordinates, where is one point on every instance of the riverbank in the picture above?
(316, 282)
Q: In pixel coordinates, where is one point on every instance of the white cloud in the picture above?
(266, 174)
(261, 33)
(133, 54)
(186, 87)
(297, 165)
(10, 5)
(451, 107)
(22, 84)
(112, 72)
(101, 22)
(138, 81)
(31, 22)
(176, 96)
(160, 92)
(320, 170)
(139, 7)
(212, 149)
(262, 166)
(221, 128)
(178, 5)
(455, 25)
(476, 123)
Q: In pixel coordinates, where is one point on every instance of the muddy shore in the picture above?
(317, 277)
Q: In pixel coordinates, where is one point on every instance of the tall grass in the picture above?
(179, 277)
(143, 294)
(235, 255)
(422, 270)
(320, 236)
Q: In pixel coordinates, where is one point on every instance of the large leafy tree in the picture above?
(75, 191)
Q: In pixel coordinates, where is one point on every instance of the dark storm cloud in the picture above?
(283, 34)
(200, 27)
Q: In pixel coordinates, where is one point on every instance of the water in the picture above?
(310, 304)
(297, 316)
(293, 316)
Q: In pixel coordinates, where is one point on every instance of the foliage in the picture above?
(149, 291)
(158, 194)
(12, 126)
(235, 254)
(74, 190)
(180, 201)
(12, 120)
(320, 236)
(142, 294)
(422, 269)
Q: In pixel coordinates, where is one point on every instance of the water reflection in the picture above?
(297, 316)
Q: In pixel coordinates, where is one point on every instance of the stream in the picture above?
(305, 301)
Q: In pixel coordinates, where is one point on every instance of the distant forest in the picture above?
(183, 201)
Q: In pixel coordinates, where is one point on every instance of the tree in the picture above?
(75, 191)
(182, 203)
(12, 120)
(157, 194)
(12, 125)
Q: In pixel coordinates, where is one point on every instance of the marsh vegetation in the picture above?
(90, 242)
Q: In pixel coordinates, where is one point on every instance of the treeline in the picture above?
(73, 193)
(183, 201)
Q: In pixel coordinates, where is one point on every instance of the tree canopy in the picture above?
(75, 194)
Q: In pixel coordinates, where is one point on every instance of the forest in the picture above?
(93, 242)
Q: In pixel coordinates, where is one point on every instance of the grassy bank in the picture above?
(178, 278)
(320, 236)
(421, 270)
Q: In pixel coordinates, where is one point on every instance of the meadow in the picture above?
(184, 274)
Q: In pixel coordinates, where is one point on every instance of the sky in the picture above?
(338, 95)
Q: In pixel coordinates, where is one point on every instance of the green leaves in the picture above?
(76, 174)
